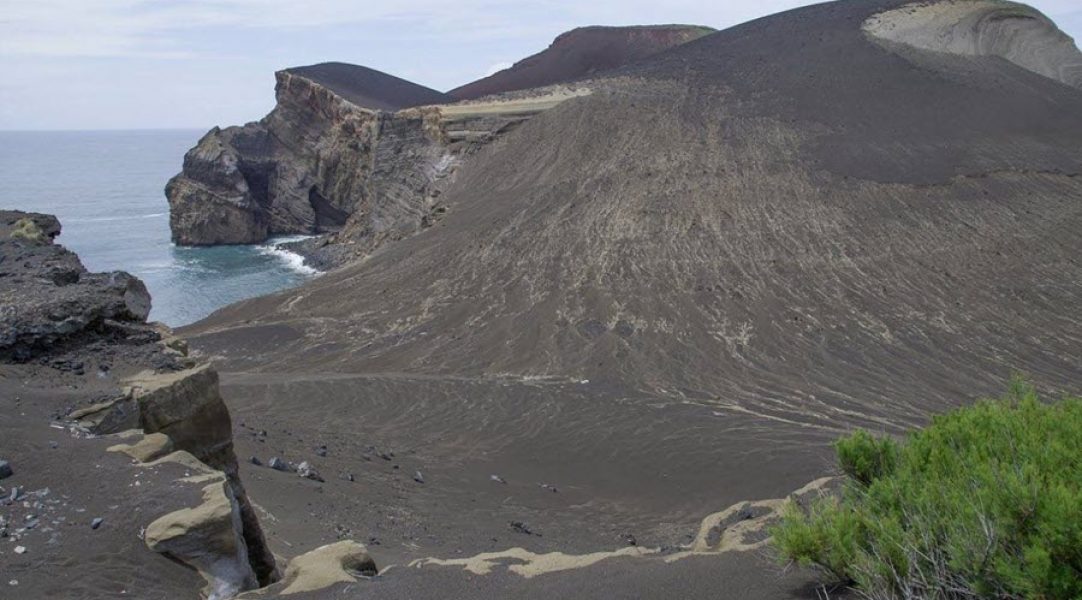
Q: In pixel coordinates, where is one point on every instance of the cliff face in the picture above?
(315, 161)
(301, 169)
(321, 164)
(363, 156)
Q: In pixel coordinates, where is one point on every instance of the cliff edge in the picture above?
(359, 157)
(112, 433)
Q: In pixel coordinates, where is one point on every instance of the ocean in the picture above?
(107, 189)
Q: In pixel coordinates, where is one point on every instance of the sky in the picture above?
(150, 64)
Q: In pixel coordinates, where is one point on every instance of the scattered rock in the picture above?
(152, 447)
(278, 464)
(521, 527)
(321, 451)
(96, 522)
(111, 416)
(309, 472)
(255, 461)
(20, 549)
(629, 539)
(418, 477)
(498, 479)
(5, 469)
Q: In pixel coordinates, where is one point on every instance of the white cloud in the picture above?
(155, 28)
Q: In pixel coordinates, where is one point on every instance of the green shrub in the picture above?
(986, 502)
(865, 458)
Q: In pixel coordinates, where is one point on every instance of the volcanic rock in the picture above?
(75, 321)
(329, 160)
(308, 165)
(48, 297)
(307, 471)
(208, 538)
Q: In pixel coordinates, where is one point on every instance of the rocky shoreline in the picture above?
(80, 364)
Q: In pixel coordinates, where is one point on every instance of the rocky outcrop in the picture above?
(57, 317)
(48, 297)
(185, 411)
(363, 157)
(341, 562)
(325, 161)
(304, 169)
(208, 537)
(582, 52)
(1008, 30)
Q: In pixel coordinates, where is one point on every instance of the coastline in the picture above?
(279, 247)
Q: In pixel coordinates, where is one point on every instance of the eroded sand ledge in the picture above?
(1009, 30)
(739, 528)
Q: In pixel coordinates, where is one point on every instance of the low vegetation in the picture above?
(27, 229)
(986, 502)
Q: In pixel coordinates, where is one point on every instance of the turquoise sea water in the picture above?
(107, 189)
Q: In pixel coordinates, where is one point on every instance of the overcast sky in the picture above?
(130, 64)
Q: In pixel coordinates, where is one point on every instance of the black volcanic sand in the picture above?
(620, 464)
(369, 88)
(580, 53)
(66, 482)
(746, 246)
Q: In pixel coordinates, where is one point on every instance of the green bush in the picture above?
(986, 502)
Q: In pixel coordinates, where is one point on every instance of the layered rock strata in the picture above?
(320, 163)
(984, 28)
(360, 158)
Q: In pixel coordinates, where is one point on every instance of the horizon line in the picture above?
(109, 129)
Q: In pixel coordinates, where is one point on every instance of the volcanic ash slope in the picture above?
(669, 295)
